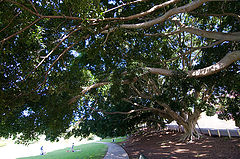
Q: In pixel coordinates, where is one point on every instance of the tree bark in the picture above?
(183, 9)
(222, 64)
(190, 132)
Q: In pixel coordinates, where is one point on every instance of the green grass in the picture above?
(87, 151)
(116, 140)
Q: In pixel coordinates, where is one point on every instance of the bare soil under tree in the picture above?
(166, 145)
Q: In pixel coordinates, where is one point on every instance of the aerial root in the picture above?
(190, 136)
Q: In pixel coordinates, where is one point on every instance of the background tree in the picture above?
(111, 65)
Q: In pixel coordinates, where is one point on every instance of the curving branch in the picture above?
(183, 9)
(172, 113)
(142, 14)
(159, 71)
(186, 8)
(222, 64)
(207, 34)
(212, 35)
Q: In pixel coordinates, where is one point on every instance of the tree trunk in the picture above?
(190, 132)
(187, 120)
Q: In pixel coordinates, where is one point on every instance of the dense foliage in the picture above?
(106, 67)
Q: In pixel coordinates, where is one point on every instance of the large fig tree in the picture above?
(78, 67)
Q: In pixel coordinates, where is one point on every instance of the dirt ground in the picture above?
(166, 145)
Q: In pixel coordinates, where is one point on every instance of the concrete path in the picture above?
(115, 151)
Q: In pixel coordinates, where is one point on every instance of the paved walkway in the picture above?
(115, 151)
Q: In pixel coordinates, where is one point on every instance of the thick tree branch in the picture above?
(160, 71)
(142, 14)
(207, 34)
(67, 17)
(195, 115)
(96, 85)
(186, 8)
(172, 113)
(222, 64)
(212, 35)
(183, 9)
(158, 111)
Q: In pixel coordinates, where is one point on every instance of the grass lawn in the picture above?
(116, 140)
(85, 151)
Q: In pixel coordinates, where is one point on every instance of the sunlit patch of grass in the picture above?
(85, 151)
(116, 140)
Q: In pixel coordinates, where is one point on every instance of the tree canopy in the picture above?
(104, 67)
